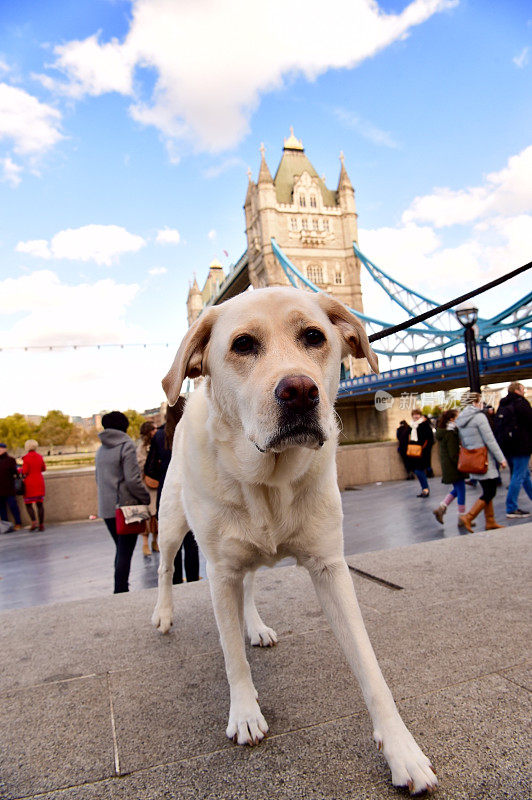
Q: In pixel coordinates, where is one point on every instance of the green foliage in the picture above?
(135, 421)
(15, 430)
(54, 429)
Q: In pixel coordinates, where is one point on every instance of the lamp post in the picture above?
(467, 315)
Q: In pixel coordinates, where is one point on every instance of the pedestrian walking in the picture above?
(156, 468)
(147, 432)
(418, 450)
(513, 430)
(475, 432)
(402, 435)
(8, 499)
(119, 484)
(33, 467)
(449, 446)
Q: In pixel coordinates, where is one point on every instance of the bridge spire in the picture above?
(264, 172)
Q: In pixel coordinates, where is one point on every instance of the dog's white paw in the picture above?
(246, 723)
(262, 636)
(162, 618)
(409, 765)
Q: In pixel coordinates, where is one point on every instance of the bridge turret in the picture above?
(194, 302)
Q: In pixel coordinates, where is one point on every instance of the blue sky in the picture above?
(126, 130)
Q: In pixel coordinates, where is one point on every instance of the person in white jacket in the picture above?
(475, 431)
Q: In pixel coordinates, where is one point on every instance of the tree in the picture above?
(15, 430)
(135, 421)
(54, 429)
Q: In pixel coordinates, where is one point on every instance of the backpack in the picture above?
(505, 427)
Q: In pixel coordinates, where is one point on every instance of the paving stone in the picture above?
(56, 735)
(117, 629)
(473, 733)
(302, 681)
(521, 675)
(88, 791)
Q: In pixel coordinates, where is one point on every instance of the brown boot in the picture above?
(491, 525)
(466, 519)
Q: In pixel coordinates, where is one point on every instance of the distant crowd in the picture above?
(475, 443)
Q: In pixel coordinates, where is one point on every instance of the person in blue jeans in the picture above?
(514, 417)
(421, 437)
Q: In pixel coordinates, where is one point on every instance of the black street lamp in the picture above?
(467, 315)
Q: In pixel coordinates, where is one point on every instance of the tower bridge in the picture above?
(302, 233)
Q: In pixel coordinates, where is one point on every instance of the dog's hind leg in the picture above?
(246, 723)
(259, 634)
(172, 529)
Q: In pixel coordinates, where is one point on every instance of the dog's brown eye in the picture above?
(244, 344)
(313, 337)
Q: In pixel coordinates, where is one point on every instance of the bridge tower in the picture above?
(315, 226)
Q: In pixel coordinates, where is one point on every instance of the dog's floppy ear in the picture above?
(189, 362)
(352, 332)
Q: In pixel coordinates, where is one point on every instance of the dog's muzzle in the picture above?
(298, 398)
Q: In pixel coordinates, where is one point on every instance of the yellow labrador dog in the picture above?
(253, 474)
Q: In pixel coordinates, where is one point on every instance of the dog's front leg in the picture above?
(246, 723)
(334, 587)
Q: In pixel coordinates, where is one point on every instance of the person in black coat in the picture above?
(156, 467)
(8, 473)
(402, 435)
(513, 430)
(421, 435)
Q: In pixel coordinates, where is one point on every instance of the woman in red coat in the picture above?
(33, 467)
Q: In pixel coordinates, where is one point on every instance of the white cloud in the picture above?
(366, 129)
(224, 166)
(157, 271)
(211, 70)
(103, 244)
(35, 247)
(50, 312)
(212, 235)
(508, 191)
(521, 60)
(496, 237)
(30, 126)
(168, 236)
(11, 171)
(57, 313)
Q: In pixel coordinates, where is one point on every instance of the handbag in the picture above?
(414, 450)
(131, 519)
(19, 484)
(151, 483)
(475, 461)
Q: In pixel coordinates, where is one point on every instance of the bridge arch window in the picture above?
(302, 201)
(304, 223)
(326, 225)
(315, 273)
(312, 201)
(338, 277)
(293, 224)
(316, 224)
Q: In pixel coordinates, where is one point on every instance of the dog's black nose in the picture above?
(297, 393)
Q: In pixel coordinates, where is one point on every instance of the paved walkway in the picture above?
(73, 561)
(96, 705)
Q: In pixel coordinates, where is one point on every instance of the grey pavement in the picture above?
(96, 705)
(73, 561)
